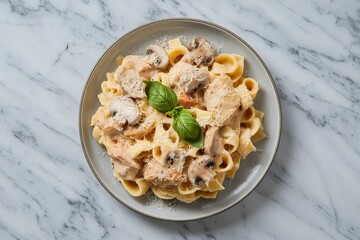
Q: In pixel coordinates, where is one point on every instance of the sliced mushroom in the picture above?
(124, 110)
(201, 169)
(156, 56)
(201, 52)
(196, 78)
(175, 157)
(170, 156)
(212, 141)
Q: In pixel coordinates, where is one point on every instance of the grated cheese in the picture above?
(153, 200)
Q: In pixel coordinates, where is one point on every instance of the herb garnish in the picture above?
(160, 97)
(164, 99)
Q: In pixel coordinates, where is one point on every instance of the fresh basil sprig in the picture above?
(164, 99)
(175, 112)
(188, 128)
(160, 97)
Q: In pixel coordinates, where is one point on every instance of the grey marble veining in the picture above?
(47, 50)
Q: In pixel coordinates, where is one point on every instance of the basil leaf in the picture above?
(160, 97)
(164, 99)
(188, 129)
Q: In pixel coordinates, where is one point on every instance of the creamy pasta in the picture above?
(146, 150)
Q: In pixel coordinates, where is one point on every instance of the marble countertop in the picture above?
(47, 50)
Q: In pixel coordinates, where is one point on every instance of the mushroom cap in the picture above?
(157, 56)
(201, 52)
(123, 107)
(193, 79)
(201, 169)
(212, 141)
(195, 43)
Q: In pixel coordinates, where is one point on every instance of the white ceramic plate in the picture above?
(252, 169)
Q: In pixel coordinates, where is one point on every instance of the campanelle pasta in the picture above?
(146, 151)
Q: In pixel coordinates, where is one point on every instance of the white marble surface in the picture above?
(48, 48)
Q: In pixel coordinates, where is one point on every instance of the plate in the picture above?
(252, 169)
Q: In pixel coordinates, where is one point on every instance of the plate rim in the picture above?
(82, 135)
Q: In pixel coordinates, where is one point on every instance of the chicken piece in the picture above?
(194, 99)
(145, 127)
(177, 71)
(162, 174)
(124, 171)
(118, 150)
(222, 100)
(212, 141)
(195, 79)
(112, 127)
(130, 75)
(188, 100)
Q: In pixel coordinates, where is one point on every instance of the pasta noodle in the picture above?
(224, 162)
(147, 153)
(238, 73)
(176, 50)
(248, 115)
(252, 86)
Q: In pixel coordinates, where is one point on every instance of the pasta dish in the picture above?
(178, 120)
